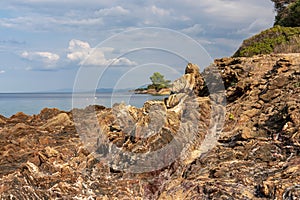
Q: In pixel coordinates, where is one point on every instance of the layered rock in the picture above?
(258, 154)
(153, 137)
(103, 153)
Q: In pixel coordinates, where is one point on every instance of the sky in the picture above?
(51, 45)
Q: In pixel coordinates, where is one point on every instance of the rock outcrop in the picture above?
(185, 147)
(161, 92)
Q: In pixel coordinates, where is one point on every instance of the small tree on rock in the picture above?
(159, 82)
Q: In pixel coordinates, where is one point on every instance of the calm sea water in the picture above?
(33, 103)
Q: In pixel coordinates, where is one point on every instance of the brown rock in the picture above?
(191, 81)
(2, 120)
(61, 119)
(164, 91)
(247, 133)
(48, 113)
(251, 113)
(174, 100)
(253, 155)
(19, 117)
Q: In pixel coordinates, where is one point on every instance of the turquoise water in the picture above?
(33, 103)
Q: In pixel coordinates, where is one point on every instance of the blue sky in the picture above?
(47, 44)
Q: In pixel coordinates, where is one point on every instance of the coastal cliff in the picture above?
(252, 121)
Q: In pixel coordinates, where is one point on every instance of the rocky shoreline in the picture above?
(161, 92)
(256, 154)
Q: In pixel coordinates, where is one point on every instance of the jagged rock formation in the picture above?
(150, 138)
(94, 153)
(258, 154)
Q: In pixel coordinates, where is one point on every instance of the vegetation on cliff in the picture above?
(288, 13)
(284, 37)
(277, 39)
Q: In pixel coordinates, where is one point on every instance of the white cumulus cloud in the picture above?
(254, 27)
(114, 11)
(159, 11)
(194, 30)
(44, 56)
(41, 60)
(84, 54)
(2, 71)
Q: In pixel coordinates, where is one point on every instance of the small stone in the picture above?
(247, 133)
(61, 120)
(50, 152)
(251, 113)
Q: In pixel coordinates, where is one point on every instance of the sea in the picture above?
(33, 103)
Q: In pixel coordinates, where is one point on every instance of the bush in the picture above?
(274, 40)
(290, 16)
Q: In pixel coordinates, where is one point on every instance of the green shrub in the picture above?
(231, 116)
(274, 40)
(289, 16)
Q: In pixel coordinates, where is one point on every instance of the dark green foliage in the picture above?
(289, 16)
(140, 89)
(158, 82)
(151, 87)
(274, 40)
(280, 5)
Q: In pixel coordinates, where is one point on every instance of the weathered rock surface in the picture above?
(254, 155)
(162, 92)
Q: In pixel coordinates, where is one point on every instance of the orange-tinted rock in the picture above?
(256, 156)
